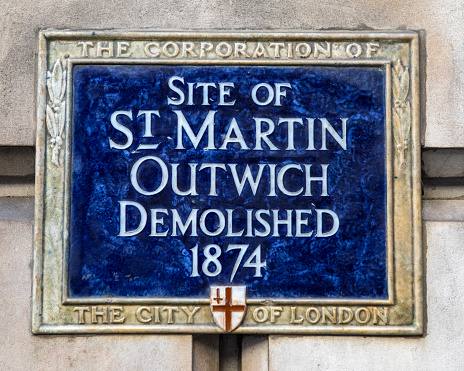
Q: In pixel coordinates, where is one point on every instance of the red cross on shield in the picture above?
(228, 306)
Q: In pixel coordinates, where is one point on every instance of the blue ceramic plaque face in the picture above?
(189, 176)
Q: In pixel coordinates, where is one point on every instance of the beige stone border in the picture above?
(51, 306)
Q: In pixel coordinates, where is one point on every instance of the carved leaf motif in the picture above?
(49, 87)
(63, 85)
(399, 140)
(51, 124)
(396, 84)
(56, 108)
(397, 135)
(62, 118)
(56, 79)
(399, 68)
(406, 120)
(404, 85)
(402, 110)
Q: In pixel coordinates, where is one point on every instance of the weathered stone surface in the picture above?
(441, 21)
(255, 353)
(439, 349)
(443, 163)
(443, 210)
(205, 352)
(17, 208)
(229, 353)
(439, 189)
(17, 161)
(23, 351)
(17, 186)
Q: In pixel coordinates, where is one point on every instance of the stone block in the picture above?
(444, 163)
(206, 352)
(17, 208)
(17, 161)
(443, 189)
(255, 353)
(443, 210)
(229, 352)
(17, 186)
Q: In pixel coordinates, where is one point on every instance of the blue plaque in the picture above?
(172, 164)
(208, 183)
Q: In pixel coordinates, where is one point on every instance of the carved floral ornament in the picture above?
(401, 110)
(56, 108)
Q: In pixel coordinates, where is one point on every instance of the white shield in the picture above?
(228, 306)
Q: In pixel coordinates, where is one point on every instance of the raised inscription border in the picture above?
(257, 321)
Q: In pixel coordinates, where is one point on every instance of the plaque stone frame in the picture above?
(55, 312)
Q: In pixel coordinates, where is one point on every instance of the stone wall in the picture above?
(441, 26)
